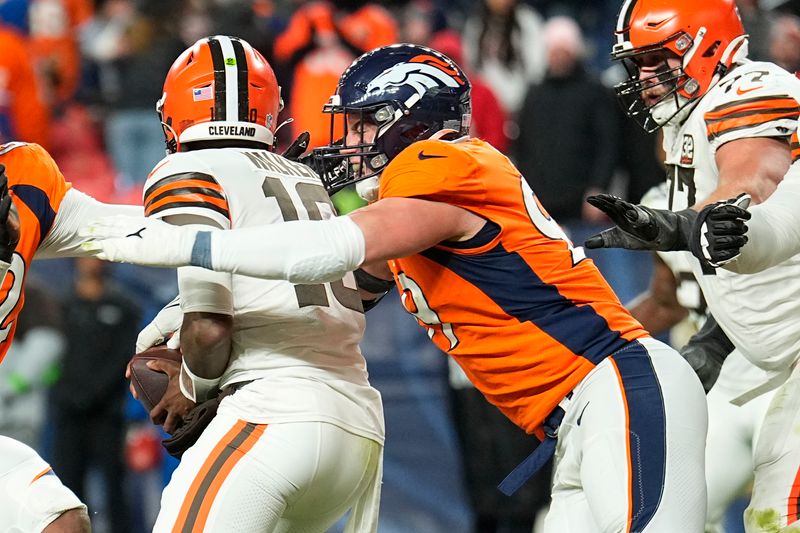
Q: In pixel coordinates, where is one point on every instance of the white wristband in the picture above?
(196, 388)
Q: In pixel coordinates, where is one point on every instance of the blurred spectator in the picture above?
(488, 116)
(23, 113)
(100, 323)
(134, 46)
(15, 14)
(252, 20)
(757, 23)
(567, 143)
(30, 367)
(503, 43)
(54, 26)
(784, 42)
(421, 21)
(568, 148)
(321, 41)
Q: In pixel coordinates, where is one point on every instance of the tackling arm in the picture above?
(301, 251)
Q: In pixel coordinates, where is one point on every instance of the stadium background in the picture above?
(104, 133)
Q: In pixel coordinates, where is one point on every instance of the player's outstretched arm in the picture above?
(641, 228)
(301, 251)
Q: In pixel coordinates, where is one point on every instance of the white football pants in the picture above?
(630, 452)
(31, 495)
(298, 477)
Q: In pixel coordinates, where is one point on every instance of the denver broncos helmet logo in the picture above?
(422, 73)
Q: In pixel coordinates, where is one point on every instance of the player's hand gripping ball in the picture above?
(149, 385)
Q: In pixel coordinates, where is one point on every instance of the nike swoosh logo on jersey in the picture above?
(741, 91)
(580, 416)
(136, 233)
(422, 156)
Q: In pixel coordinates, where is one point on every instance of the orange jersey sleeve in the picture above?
(523, 312)
(37, 189)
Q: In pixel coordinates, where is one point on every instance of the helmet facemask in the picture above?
(344, 162)
(679, 89)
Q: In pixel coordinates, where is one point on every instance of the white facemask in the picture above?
(666, 112)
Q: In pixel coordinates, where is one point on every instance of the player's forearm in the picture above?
(774, 229)
(206, 343)
(304, 252)
(76, 210)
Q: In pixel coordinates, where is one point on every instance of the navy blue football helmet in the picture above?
(409, 91)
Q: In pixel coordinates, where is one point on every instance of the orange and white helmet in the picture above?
(706, 35)
(220, 88)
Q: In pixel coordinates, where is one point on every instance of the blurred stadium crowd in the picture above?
(81, 78)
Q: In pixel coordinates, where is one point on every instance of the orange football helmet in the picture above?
(220, 88)
(707, 36)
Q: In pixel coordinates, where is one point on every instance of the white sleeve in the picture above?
(774, 229)
(301, 251)
(75, 212)
(205, 291)
(201, 290)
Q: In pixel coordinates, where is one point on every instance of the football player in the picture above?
(729, 125)
(41, 213)
(298, 439)
(496, 284)
(732, 429)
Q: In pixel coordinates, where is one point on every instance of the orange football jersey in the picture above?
(37, 188)
(523, 312)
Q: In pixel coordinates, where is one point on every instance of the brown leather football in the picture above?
(150, 385)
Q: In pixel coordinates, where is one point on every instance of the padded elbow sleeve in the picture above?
(301, 251)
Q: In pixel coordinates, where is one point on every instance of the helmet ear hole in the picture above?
(712, 50)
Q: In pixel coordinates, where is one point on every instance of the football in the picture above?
(150, 385)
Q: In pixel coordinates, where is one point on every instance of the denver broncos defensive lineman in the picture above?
(496, 284)
(729, 127)
(44, 213)
(300, 441)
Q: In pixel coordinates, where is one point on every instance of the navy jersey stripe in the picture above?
(648, 432)
(508, 280)
(485, 235)
(39, 203)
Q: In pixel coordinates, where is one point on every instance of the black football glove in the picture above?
(641, 228)
(719, 232)
(298, 147)
(706, 351)
(9, 222)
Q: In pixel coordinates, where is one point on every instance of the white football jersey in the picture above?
(737, 375)
(299, 341)
(758, 312)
